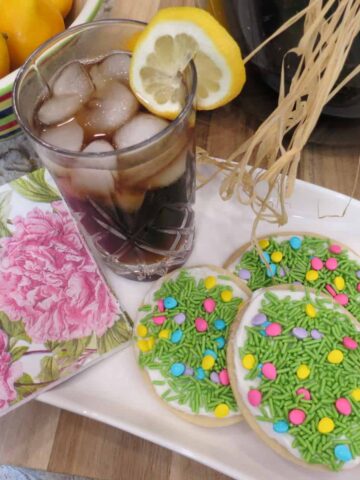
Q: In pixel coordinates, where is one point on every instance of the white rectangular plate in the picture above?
(113, 392)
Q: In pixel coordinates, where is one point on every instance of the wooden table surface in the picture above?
(48, 438)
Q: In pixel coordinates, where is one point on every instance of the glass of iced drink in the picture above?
(127, 175)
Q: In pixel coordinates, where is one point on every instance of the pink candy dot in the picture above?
(201, 325)
(269, 371)
(304, 392)
(254, 397)
(342, 298)
(160, 305)
(335, 249)
(343, 406)
(224, 377)
(316, 263)
(273, 330)
(297, 416)
(358, 287)
(209, 305)
(350, 343)
(159, 320)
(330, 289)
(331, 263)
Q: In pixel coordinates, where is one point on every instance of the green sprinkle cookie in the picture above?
(304, 259)
(181, 338)
(294, 358)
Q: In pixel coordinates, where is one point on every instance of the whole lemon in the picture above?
(64, 6)
(27, 24)
(4, 57)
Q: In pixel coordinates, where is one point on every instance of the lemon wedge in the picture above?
(165, 47)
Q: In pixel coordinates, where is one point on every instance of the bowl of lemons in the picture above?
(24, 26)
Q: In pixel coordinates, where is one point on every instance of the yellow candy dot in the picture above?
(355, 394)
(326, 425)
(276, 257)
(222, 410)
(210, 282)
(208, 362)
(164, 333)
(310, 310)
(264, 243)
(335, 356)
(141, 330)
(339, 283)
(303, 372)
(249, 361)
(143, 345)
(151, 343)
(226, 295)
(312, 275)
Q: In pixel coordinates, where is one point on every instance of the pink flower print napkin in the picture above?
(57, 315)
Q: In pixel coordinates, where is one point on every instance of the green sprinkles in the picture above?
(329, 410)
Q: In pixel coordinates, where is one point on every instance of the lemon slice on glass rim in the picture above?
(164, 48)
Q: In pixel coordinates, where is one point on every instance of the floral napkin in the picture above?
(57, 315)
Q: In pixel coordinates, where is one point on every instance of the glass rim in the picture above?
(90, 155)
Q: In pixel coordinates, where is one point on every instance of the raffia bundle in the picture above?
(274, 150)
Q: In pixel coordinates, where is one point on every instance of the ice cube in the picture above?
(140, 128)
(68, 136)
(97, 79)
(73, 80)
(110, 108)
(116, 67)
(58, 109)
(92, 182)
(98, 146)
(170, 173)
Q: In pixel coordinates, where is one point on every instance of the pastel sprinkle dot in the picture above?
(311, 275)
(316, 263)
(220, 342)
(299, 332)
(244, 274)
(297, 416)
(276, 257)
(226, 295)
(303, 372)
(224, 377)
(177, 369)
(281, 426)
(264, 243)
(189, 371)
(334, 248)
(200, 373)
(214, 377)
(331, 263)
(315, 334)
(343, 453)
(210, 352)
(335, 356)
(339, 283)
(180, 318)
(176, 336)
(164, 334)
(159, 320)
(281, 272)
(219, 324)
(310, 310)
(143, 345)
(273, 330)
(355, 394)
(248, 361)
(330, 289)
(170, 302)
(201, 324)
(358, 287)
(269, 371)
(342, 299)
(221, 410)
(151, 343)
(264, 258)
(208, 362)
(271, 272)
(210, 282)
(254, 397)
(209, 305)
(304, 392)
(325, 425)
(343, 406)
(259, 319)
(350, 343)
(141, 330)
(295, 243)
(358, 274)
(160, 305)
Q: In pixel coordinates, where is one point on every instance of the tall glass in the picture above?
(134, 205)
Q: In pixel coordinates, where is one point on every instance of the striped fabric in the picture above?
(8, 124)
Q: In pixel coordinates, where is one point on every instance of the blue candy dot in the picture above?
(263, 333)
(200, 373)
(259, 368)
(342, 453)
(266, 256)
(271, 272)
(219, 324)
(295, 243)
(177, 369)
(170, 302)
(176, 336)
(210, 352)
(266, 324)
(281, 426)
(220, 342)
